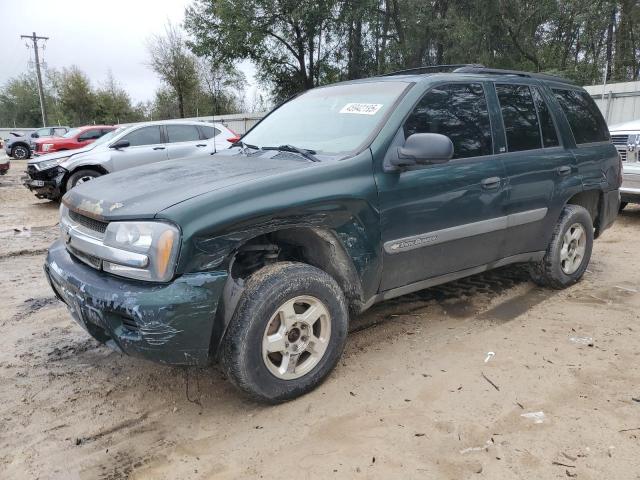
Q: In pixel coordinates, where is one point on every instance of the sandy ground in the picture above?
(415, 396)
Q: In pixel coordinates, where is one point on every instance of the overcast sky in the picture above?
(95, 36)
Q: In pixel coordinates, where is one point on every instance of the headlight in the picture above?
(47, 164)
(158, 241)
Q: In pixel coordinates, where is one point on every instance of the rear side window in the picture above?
(458, 111)
(209, 132)
(520, 117)
(583, 116)
(182, 133)
(547, 125)
(144, 136)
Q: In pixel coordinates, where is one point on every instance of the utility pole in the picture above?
(43, 109)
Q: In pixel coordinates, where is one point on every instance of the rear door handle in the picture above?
(158, 148)
(201, 145)
(564, 170)
(490, 183)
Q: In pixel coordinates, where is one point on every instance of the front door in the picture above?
(442, 218)
(145, 146)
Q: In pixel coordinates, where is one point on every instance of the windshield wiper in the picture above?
(306, 153)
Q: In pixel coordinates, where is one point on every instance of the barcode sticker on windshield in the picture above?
(361, 108)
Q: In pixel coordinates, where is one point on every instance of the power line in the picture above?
(43, 109)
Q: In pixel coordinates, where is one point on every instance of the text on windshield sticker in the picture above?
(361, 108)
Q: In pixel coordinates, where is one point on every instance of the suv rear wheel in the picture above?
(20, 152)
(569, 250)
(287, 333)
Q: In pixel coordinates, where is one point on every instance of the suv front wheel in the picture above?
(20, 152)
(287, 333)
(569, 250)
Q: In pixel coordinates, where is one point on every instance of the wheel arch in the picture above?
(591, 200)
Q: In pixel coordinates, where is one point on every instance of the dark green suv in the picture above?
(345, 196)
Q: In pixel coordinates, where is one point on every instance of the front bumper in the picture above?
(630, 189)
(45, 183)
(168, 323)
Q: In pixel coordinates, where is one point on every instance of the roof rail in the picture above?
(434, 69)
(518, 73)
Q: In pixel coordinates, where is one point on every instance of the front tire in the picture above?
(20, 152)
(569, 251)
(287, 332)
(81, 176)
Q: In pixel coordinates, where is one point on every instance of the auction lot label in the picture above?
(361, 108)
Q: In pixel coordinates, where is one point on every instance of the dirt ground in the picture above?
(417, 395)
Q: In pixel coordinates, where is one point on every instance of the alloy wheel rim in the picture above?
(296, 337)
(20, 153)
(574, 245)
(84, 179)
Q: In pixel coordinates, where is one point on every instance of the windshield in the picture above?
(71, 133)
(336, 119)
(108, 136)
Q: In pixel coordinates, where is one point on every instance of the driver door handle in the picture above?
(158, 148)
(201, 145)
(491, 183)
(564, 170)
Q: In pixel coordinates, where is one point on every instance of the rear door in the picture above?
(184, 141)
(146, 145)
(212, 134)
(538, 166)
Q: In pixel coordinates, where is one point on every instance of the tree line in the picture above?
(299, 44)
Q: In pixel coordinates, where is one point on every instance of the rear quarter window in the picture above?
(583, 116)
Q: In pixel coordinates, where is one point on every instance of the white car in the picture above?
(626, 137)
(52, 175)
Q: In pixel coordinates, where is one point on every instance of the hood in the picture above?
(142, 192)
(633, 125)
(61, 154)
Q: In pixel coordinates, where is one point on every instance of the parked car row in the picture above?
(21, 146)
(52, 175)
(344, 196)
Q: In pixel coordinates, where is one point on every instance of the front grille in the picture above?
(90, 223)
(620, 139)
(90, 260)
(623, 153)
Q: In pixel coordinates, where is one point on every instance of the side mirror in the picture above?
(120, 144)
(425, 149)
(35, 135)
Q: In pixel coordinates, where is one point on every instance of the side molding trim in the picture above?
(463, 231)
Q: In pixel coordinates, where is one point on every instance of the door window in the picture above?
(182, 133)
(209, 132)
(458, 111)
(93, 134)
(520, 118)
(59, 131)
(144, 136)
(43, 132)
(583, 116)
(547, 125)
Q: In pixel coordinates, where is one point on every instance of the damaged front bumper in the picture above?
(45, 183)
(168, 323)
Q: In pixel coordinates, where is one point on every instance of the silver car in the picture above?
(626, 137)
(50, 176)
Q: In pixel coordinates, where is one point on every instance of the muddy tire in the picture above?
(287, 332)
(81, 176)
(569, 251)
(622, 206)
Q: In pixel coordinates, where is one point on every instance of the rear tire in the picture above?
(569, 251)
(287, 332)
(81, 176)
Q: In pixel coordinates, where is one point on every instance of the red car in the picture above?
(74, 138)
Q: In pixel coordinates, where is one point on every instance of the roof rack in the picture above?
(518, 73)
(434, 69)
